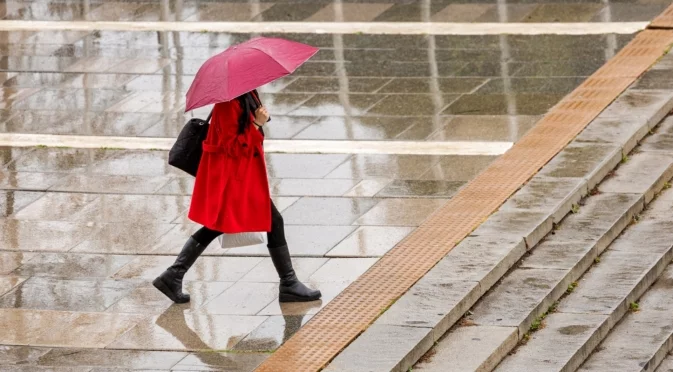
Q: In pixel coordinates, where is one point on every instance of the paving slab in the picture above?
(561, 346)
(643, 338)
(645, 173)
(662, 139)
(432, 302)
(483, 259)
(368, 353)
(651, 104)
(619, 279)
(470, 348)
(548, 195)
(591, 161)
(624, 132)
(560, 255)
(520, 298)
(530, 225)
(600, 220)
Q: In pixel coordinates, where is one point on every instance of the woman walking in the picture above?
(231, 195)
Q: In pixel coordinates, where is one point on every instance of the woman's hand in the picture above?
(261, 116)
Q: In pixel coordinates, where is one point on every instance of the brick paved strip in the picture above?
(341, 321)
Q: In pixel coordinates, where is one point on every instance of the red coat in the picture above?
(231, 193)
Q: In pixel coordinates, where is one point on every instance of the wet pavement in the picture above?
(332, 10)
(83, 231)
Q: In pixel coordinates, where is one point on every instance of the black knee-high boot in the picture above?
(170, 281)
(291, 289)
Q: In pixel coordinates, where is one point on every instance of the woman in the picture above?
(231, 195)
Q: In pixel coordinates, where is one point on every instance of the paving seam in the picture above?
(350, 313)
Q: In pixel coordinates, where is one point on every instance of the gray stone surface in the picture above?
(662, 140)
(666, 365)
(470, 348)
(548, 195)
(550, 254)
(483, 259)
(383, 348)
(619, 279)
(662, 208)
(561, 346)
(647, 236)
(655, 79)
(651, 105)
(520, 298)
(642, 340)
(591, 161)
(625, 132)
(645, 173)
(433, 302)
(532, 226)
(600, 220)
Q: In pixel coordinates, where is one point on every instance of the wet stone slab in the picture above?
(69, 295)
(620, 279)
(484, 128)
(369, 353)
(469, 348)
(188, 332)
(550, 195)
(425, 188)
(571, 336)
(600, 220)
(645, 173)
(433, 302)
(327, 211)
(370, 241)
(132, 359)
(625, 132)
(272, 333)
(484, 259)
(650, 105)
(530, 225)
(520, 298)
(585, 160)
(400, 212)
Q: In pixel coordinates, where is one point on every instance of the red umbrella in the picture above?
(244, 67)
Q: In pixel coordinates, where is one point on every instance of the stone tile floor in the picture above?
(83, 231)
(330, 11)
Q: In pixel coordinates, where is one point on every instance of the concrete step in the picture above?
(602, 297)
(643, 338)
(441, 298)
(527, 292)
(666, 365)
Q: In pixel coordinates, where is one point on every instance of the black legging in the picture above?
(276, 236)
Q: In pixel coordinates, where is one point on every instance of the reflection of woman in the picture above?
(231, 195)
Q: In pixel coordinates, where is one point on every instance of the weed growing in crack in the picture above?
(634, 307)
(571, 287)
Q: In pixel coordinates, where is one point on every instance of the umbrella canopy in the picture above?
(244, 67)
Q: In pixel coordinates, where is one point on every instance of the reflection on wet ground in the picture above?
(83, 231)
(333, 11)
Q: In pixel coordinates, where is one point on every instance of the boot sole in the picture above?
(286, 297)
(163, 288)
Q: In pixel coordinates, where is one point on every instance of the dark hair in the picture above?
(247, 104)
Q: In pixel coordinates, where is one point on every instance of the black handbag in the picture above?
(187, 150)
